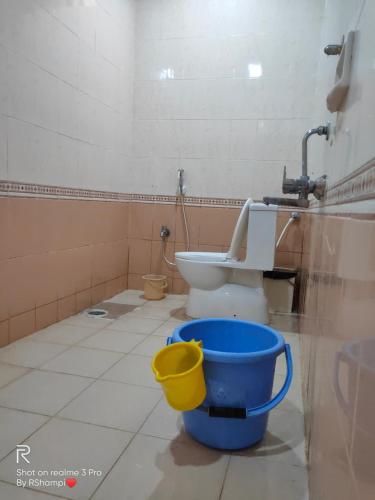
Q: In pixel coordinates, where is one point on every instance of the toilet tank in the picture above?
(261, 236)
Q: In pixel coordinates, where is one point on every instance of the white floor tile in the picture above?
(130, 297)
(149, 346)
(10, 492)
(150, 313)
(136, 325)
(133, 369)
(15, 427)
(113, 340)
(42, 392)
(64, 334)
(263, 479)
(83, 361)
(82, 319)
(164, 422)
(64, 444)
(114, 405)
(29, 354)
(166, 305)
(158, 469)
(284, 440)
(8, 373)
(167, 328)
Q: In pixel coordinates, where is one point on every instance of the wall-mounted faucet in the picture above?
(303, 186)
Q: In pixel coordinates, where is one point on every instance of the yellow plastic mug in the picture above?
(178, 368)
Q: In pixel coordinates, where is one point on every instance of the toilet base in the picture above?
(228, 301)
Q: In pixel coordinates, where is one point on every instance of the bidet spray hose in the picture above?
(186, 226)
(295, 216)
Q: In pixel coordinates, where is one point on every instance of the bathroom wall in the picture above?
(224, 90)
(57, 257)
(338, 263)
(66, 108)
(351, 142)
(66, 92)
(210, 229)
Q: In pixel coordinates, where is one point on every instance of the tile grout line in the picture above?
(225, 476)
(33, 491)
(126, 447)
(50, 417)
(28, 370)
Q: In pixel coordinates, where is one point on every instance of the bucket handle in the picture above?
(265, 408)
(225, 412)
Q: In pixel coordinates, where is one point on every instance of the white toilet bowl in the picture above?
(221, 285)
(200, 270)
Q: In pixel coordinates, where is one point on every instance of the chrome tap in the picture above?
(303, 185)
(322, 130)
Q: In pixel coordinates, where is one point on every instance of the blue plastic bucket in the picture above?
(239, 366)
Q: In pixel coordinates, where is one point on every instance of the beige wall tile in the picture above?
(115, 286)
(109, 261)
(217, 225)
(49, 278)
(139, 257)
(98, 293)
(193, 216)
(4, 289)
(45, 315)
(164, 215)
(66, 307)
(24, 283)
(24, 230)
(4, 333)
(141, 220)
(4, 228)
(292, 240)
(158, 264)
(83, 300)
(22, 325)
(338, 347)
(83, 267)
(135, 282)
(288, 259)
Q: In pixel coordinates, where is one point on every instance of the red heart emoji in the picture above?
(71, 482)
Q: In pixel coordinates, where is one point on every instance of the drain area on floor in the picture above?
(109, 310)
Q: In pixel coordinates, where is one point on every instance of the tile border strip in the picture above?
(46, 191)
(357, 186)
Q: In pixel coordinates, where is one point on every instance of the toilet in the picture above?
(222, 285)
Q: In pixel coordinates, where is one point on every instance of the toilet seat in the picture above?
(207, 257)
